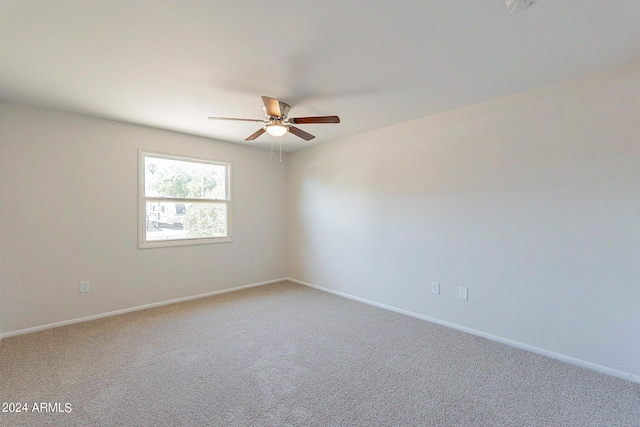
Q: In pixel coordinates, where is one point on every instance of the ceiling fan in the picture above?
(278, 123)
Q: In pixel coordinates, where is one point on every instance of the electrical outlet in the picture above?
(256, 262)
(84, 286)
(463, 293)
(435, 288)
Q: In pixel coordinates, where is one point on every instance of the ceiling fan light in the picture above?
(276, 129)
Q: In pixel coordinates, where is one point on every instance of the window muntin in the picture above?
(183, 201)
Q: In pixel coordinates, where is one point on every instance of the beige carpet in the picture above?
(284, 354)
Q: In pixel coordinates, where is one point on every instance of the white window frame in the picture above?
(143, 243)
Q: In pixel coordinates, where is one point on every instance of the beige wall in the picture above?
(69, 205)
(531, 201)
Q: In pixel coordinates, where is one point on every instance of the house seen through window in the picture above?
(183, 200)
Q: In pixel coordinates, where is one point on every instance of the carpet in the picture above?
(287, 355)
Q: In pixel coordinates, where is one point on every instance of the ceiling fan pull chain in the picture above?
(280, 138)
(272, 149)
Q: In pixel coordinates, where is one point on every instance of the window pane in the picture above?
(184, 179)
(183, 201)
(173, 221)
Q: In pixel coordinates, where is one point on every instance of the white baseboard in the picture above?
(578, 362)
(131, 309)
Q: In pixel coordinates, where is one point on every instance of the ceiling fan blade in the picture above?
(255, 134)
(272, 105)
(320, 119)
(241, 120)
(302, 134)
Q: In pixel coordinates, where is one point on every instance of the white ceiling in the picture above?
(170, 64)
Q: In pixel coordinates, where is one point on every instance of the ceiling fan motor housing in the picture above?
(284, 111)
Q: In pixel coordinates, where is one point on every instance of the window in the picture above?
(183, 201)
